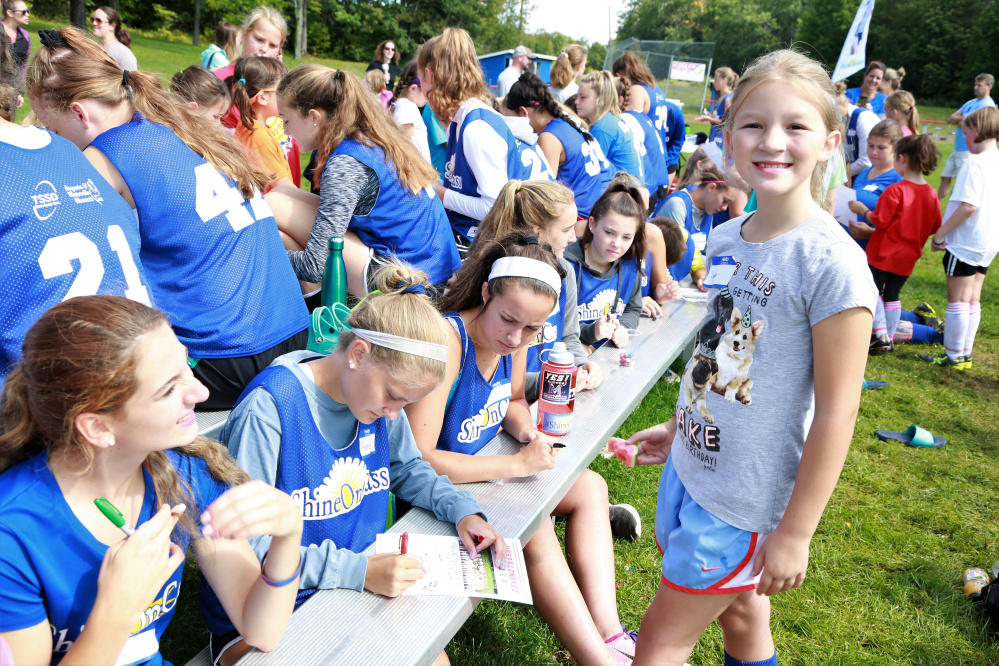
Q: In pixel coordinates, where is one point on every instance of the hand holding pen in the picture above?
(391, 574)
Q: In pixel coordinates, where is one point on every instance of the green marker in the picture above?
(112, 513)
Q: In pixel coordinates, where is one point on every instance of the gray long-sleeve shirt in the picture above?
(347, 188)
(253, 435)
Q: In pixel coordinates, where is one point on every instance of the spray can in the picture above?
(334, 284)
(974, 580)
(557, 395)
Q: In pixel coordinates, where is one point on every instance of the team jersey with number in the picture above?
(655, 150)
(64, 232)
(50, 562)
(412, 227)
(476, 407)
(215, 262)
(659, 111)
(523, 162)
(618, 143)
(586, 170)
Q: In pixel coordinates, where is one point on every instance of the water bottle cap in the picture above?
(335, 243)
(559, 354)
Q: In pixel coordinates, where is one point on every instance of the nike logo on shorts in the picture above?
(710, 568)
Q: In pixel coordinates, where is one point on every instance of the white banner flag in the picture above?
(852, 58)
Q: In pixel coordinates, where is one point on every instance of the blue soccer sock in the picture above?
(925, 335)
(907, 315)
(732, 661)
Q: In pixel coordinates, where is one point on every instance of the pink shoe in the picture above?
(622, 646)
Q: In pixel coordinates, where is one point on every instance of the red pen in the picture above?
(404, 543)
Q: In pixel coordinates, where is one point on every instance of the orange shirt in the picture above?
(265, 151)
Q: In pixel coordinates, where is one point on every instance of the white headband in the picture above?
(526, 267)
(405, 345)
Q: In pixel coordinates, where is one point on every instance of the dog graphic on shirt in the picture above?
(727, 374)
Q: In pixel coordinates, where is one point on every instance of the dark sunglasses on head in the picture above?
(21, 11)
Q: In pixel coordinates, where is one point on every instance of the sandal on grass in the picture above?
(873, 385)
(914, 436)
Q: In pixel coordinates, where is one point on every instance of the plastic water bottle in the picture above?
(334, 284)
(974, 580)
(557, 391)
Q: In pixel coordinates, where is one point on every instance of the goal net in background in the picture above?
(683, 69)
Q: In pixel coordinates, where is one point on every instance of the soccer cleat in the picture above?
(926, 311)
(881, 344)
(943, 361)
(965, 363)
(625, 522)
(622, 646)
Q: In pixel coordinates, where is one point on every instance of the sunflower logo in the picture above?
(345, 484)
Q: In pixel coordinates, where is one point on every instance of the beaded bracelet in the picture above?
(286, 581)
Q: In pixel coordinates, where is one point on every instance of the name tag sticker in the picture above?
(871, 188)
(721, 271)
(367, 444)
(700, 241)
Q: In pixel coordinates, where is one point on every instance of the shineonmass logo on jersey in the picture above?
(342, 490)
(490, 415)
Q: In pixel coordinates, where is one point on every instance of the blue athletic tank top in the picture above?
(477, 407)
(698, 234)
(618, 144)
(550, 333)
(523, 162)
(64, 232)
(343, 494)
(215, 261)
(413, 228)
(658, 111)
(586, 170)
(716, 130)
(655, 150)
(599, 296)
(852, 140)
(646, 272)
(681, 269)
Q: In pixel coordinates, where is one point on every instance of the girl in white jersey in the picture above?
(483, 153)
(770, 397)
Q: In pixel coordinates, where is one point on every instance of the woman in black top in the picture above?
(15, 22)
(387, 60)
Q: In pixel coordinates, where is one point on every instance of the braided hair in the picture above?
(530, 91)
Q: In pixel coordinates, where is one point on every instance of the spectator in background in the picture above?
(405, 109)
(859, 122)
(566, 69)
(375, 82)
(387, 61)
(983, 86)
(520, 61)
(892, 80)
(15, 20)
(724, 84)
(106, 23)
(900, 106)
(868, 96)
(225, 49)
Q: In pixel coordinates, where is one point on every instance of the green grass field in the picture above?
(884, 583)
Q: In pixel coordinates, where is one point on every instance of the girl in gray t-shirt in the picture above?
(769, 399)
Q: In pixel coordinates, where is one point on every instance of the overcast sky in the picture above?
(576, 18)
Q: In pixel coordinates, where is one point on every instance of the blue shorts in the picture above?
(701, 553)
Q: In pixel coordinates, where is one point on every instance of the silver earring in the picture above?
(313, 124)
(351, 364)
(111, 441)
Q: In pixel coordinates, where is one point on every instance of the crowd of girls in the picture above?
(199, 280)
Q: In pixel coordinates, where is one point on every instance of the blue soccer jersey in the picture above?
(412, 227)
(586, 170)
(655, 152)
(215, 260)
(64, 232)
(50, 562)
(476, 407)
(616, 139)
(523, 162)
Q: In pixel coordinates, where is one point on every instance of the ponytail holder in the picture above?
(51, 39)
(243, 81)
(527, 240)
(124, 77)
(563, 53)
(407, 287)
(520, 184)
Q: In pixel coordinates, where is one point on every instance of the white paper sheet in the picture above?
(842, 212)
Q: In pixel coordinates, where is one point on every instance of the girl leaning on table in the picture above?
(101, 406)
(497, 304)
(313, 425)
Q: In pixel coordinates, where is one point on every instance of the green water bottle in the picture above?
(334, 285)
